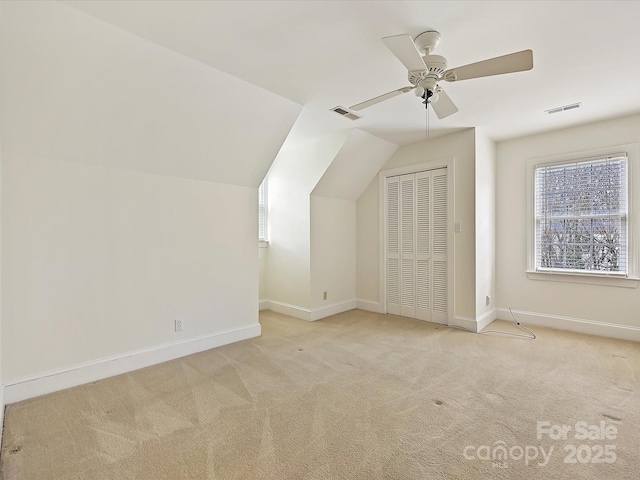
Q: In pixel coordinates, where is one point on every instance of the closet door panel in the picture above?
(393, 245)
(439, 252)
(423, 245)
(407, 246)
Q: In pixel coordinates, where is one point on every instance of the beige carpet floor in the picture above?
(354, 396)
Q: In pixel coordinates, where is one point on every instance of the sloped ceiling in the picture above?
(75, 88)
(322, 54)
(359, 160)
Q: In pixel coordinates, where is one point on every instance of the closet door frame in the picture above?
(449, 164)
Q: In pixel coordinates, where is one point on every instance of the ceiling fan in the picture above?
(427, 70)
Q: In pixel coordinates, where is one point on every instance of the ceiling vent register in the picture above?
(563, 108)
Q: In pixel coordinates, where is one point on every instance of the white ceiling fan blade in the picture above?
(444, 106)
(514, 62)
(405, 50)
(380, 98)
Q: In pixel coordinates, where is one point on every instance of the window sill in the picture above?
(262, 244)
(611, 281)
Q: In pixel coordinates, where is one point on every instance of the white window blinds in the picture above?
(262, 211)
(581, 216)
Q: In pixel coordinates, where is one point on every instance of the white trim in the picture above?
(263, 305)
(466, 322)
(588, 327)
(476, 324)
(633, 193)
(368, 305)
(485, 319)
(382, 247)
(333, 309)
(52, 381)
(449, 163)
(305, 313)
(1, 411)
(288, 309)
(263, 241)
(608, 281)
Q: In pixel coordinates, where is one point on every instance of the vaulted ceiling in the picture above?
(323, 54)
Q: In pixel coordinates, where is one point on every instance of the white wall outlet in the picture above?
(488, 300)
(179, 324)
(324, 295)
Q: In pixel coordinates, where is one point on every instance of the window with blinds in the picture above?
(262, 211)
(581, 216)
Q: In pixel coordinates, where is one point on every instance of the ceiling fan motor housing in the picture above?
(436, 64)
(429, 78)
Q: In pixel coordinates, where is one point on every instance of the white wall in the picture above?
(367, 244)
(461, 147)
(292, 177)
(609, 304)
(262, 273)
(333, 251)
(333, 217)
(100, 261)
(129, 192)
(312, 221)
(485, 225)
(1, 275)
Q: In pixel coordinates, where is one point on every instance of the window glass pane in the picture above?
(581, 216)
(262, 211)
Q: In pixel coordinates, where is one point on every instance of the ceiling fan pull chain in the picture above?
(427, 110)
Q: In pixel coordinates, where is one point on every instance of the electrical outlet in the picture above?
(488, 300)
(458, 227)
(324, 295)
(179, 324)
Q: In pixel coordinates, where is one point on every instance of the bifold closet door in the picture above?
(439, 247)
(416, 245)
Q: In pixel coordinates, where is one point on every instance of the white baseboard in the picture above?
(1, 411)
(263, 305)
(475, 324)
(52, 381)
(288, 309)
(486, 318)
(368, 305)
(333, 309)
(306, 313)
(589, 327)
(466, 322)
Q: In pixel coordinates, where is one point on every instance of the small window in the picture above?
(581, 216)
(262, 211)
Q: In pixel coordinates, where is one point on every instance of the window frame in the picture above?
(263, 204)
(631, 279)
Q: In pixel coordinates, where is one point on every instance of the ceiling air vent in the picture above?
(564, 108)
(345, 113)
